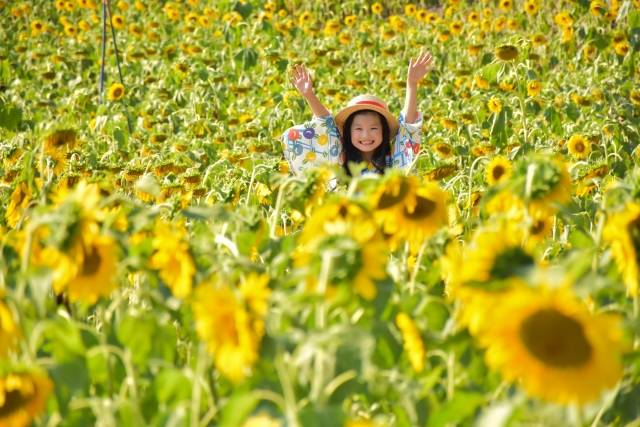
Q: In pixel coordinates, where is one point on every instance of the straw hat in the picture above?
(367, 102)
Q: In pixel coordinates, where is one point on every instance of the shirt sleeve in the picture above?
(407, 142)
(311, 144)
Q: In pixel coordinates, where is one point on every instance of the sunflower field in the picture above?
(160, 265)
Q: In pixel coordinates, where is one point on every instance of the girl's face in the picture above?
(366, 132)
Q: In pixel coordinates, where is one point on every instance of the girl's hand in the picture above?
(302, 80)
(419, 68)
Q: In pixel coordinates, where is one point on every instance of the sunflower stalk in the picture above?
(319, 380)
(196, 391)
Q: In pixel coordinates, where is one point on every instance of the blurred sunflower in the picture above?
(348, 231)
(231, 333)
(498, 170)
(9, 331)
(412, 341)
(87, 270)
(443, 150)
(23, 396)
(172, 257)
(507, 52)
(115, 92)
(550, 343)
(494, 105)
(118, 21)
(579, 147)
(376, 8)
(622, 232)
(531, 7)
(534, 87)
(18, 203)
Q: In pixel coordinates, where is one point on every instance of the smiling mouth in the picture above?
(366, 142)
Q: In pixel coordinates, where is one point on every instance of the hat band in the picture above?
(377, 104)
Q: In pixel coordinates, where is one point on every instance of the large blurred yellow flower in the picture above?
(231, 333)
(623, 234)
(410, 210)
(553, 346)
(172, 258)
(9, 331)
(23, 396)
(412, 341)
(348, 231)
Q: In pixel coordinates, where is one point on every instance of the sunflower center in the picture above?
(91, 262)
(509, 262)
(579, 147)
(537, 227)
(497, 172)
(424, 208)
(117, 92)
(14, 401)
(556, 339)
(389, 199)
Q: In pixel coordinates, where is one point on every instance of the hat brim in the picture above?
(344, 114)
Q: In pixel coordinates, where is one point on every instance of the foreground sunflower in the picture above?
(622, 232)
(410, 210)
(548, 341)
(172, 258)
(8, 329)
(232, 333)
(23, 395)
(346, 233)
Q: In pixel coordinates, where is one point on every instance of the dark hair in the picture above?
(352, 154)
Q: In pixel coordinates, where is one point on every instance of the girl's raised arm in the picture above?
(302, 81)
(417, 70)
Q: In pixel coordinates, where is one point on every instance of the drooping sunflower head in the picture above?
(507, 52)
(550, 343)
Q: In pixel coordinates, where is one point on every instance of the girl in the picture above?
(363, 131)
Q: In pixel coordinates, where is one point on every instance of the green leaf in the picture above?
(498, 128)
(248, 57)
(463, 405)
(322, 416)
(553, 119)
(241, 404)
(172, 386)
(572, 111)
(634, 19)
(71, 380)
(10, 116)
(490, 72)
(63, 340)
(147, 336)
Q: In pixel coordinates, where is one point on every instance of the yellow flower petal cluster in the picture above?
(412, 341)
(549, 342)
(20, 199)
(232, 331)
(579, 146)
(23, 396)
(498, 170)
(622, 232)
(172, 257)
(9, 331)
(347, 234)
(410, 210)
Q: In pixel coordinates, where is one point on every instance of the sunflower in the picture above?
(115, 92)
(537, 229)
(507, 52)
(20, 199)
(443, 150)
(531, 7)
(232, 333)
(9, 331)
(359, 251)
(498, 170)
(505, 5)
(579, 147)
(634, 97)
(542, 182)
(550, 343)
(23, 396)
(412, 341)
(172, 258)
(622, 232)
(534, 88)
(494, 105)
(377, 8)
(622, 48)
